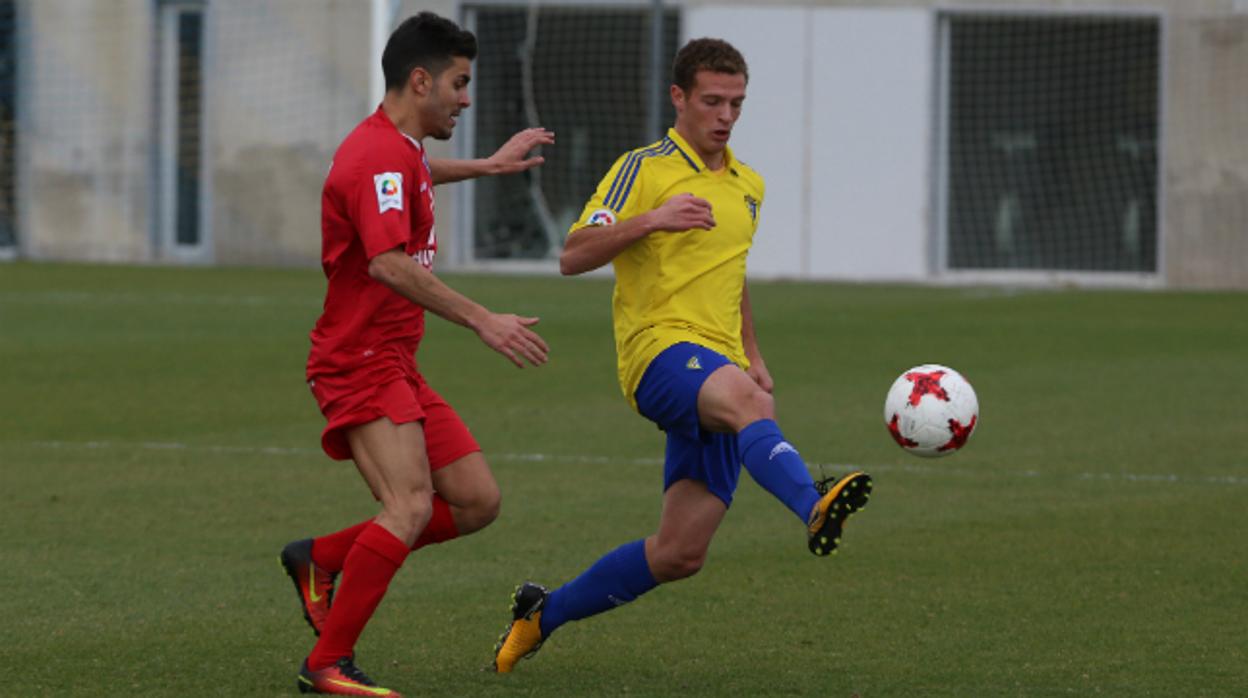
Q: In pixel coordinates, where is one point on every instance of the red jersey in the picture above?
(378, 195)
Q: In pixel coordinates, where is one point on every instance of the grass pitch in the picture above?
(158, 446)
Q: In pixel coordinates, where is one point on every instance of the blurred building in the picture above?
(1046, 142)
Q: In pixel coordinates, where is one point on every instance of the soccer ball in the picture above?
(931, 410)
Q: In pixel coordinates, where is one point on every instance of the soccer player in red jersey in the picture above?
(415, 453)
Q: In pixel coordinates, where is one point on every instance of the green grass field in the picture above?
(158, 446)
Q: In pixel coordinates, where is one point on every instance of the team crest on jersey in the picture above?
(603, 216)
(752, 204)
(389, 191)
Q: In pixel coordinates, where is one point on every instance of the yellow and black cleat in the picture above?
(840, 499)
(523, 638)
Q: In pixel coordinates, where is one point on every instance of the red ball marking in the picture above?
(895, 430)
(960, 434)
(926, 384)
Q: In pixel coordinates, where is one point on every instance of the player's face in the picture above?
(706, 113)
(447, 98)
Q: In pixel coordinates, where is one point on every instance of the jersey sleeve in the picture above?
(620, 195)
(378, 204)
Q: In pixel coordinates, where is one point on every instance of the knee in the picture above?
(752, 406)
(671, 564)
(409, 513)
(760, 405)
(486, 507)
(479, 511)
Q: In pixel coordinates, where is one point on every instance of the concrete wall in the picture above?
(286, 85)
(1206, 153)
(862, 126)
(290, 84)
(84, 132)
(288, 78)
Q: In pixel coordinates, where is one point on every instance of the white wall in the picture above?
(838, 119)
(770, 135)
(871, 143)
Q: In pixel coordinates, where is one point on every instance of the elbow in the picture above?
(567, 265)
(375, 269)
(379, 270)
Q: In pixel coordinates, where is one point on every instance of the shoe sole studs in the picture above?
(853, 497)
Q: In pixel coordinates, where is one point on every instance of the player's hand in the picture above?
(684, 212)
(512, 157)
(510, 336)
(758, 371)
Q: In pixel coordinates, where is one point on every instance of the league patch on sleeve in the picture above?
(389, 191)
(603, 216)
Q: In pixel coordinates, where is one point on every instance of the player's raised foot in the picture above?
(841, 497)
(314, 585)
(341, 679)
(523, 638)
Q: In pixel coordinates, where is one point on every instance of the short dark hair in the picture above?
(715, 55)
(424, 41)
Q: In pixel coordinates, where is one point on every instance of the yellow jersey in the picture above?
(673, 287)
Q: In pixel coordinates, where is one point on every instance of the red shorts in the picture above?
(395, 391)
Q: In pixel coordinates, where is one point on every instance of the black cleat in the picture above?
(840, 499)
(523, 638)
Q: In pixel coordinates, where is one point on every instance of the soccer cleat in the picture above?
(314, 585)
(342, 679)
(840, 499)
(523, 638)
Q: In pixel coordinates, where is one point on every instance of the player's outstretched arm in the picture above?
(591, 247)
(512, 157)
(506, 334)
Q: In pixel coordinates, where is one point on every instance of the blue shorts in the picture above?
(668, 396)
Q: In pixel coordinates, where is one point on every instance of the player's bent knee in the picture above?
(670, 566)
(491, 508)
(751, 407)
(735, 402)
(408, 515)
(481, 512)
(761, 405)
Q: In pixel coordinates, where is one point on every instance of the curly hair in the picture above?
(715, 55)
(425, 41)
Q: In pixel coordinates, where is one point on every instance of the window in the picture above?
(582, 72)
(182, 173)
(1051, 132)
(8, 126)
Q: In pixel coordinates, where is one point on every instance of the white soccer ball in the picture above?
(931, 410)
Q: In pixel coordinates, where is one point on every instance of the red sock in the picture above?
(369, 567)
(329, 552)
(441, 526)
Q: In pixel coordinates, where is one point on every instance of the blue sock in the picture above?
(775, 464)
(617, 578)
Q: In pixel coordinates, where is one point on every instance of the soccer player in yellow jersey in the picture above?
(677, 219)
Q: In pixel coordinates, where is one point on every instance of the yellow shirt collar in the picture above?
(692, 155)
